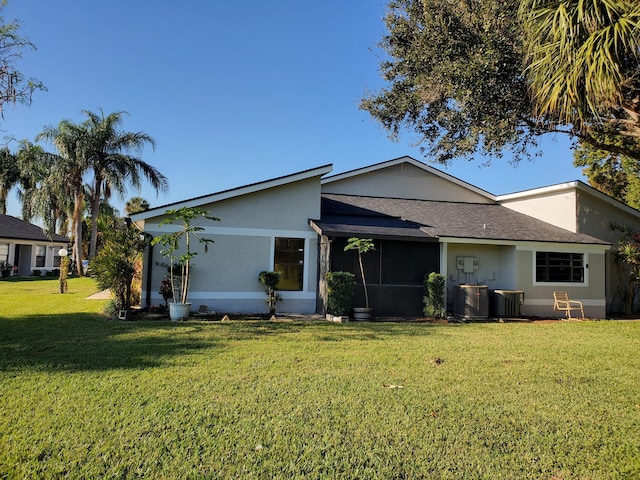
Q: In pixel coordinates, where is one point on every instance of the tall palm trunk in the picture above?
(95, 212)
(77, 229)
(364, 281)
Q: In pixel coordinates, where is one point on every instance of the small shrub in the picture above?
(37, 273)
(340, 287)
(166, 290)
(111, 309)
(434, 289)
(55, 272)
(271, 281)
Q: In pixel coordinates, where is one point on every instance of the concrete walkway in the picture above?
(103, 295)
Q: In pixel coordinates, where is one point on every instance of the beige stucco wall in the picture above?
(226, 278)
(557, 207)
(512, 267)
(404, 181)
(596, 216)
(539, 297)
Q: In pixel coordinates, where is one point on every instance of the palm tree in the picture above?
(67, 173)
(9, 176)
(39, 192)
(113, 167)
(583, 61)
(135, 205)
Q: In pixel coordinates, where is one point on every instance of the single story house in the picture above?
(422, 220)
(26, 247)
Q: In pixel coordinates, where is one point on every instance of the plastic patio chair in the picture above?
(562, 303)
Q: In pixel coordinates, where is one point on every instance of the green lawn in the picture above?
(85, 397)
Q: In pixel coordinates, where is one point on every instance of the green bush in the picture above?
(434, 289)
(37, 273)
(115, 265)
(340, 286)
(271, 281)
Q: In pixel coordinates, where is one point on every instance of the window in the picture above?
(289, 261)
(559, 267)
(41, 255)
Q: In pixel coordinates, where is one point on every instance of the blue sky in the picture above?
(232, 92)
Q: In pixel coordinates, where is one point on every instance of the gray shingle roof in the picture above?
(12, 227)
(375, 216)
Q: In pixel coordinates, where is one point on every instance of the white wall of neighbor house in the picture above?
(226, 278)
(33, 255)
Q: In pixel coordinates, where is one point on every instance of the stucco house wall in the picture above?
(539, 296)
(405, 180)
(597, 216)
(404, 205)
(226, 278)
(556, 205)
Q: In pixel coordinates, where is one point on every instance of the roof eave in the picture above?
(235, 192)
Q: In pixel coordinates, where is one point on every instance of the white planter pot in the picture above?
(362, 314)
(179, 311)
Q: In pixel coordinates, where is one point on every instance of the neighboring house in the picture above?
(27, 247)
(422, 220)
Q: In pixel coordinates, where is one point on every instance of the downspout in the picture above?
(149, 268)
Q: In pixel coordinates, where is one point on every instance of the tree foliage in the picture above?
(14, 86)
(468, 75)
(115, 265)
(42, 192)
(9, 176)
(107, 151)
(611, 173)
(135, 205)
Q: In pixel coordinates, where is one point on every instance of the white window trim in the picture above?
(585, 261)
(305, 269)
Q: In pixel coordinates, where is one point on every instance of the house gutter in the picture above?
(147, 299)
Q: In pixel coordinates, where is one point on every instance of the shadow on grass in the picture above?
(85, 342)
(89, 342)
(325, 331)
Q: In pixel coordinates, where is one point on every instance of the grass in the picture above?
(84, 397)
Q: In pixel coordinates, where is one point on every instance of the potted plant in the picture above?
(184, 219)
(6, 269)
(271, 281)
(361, 245)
